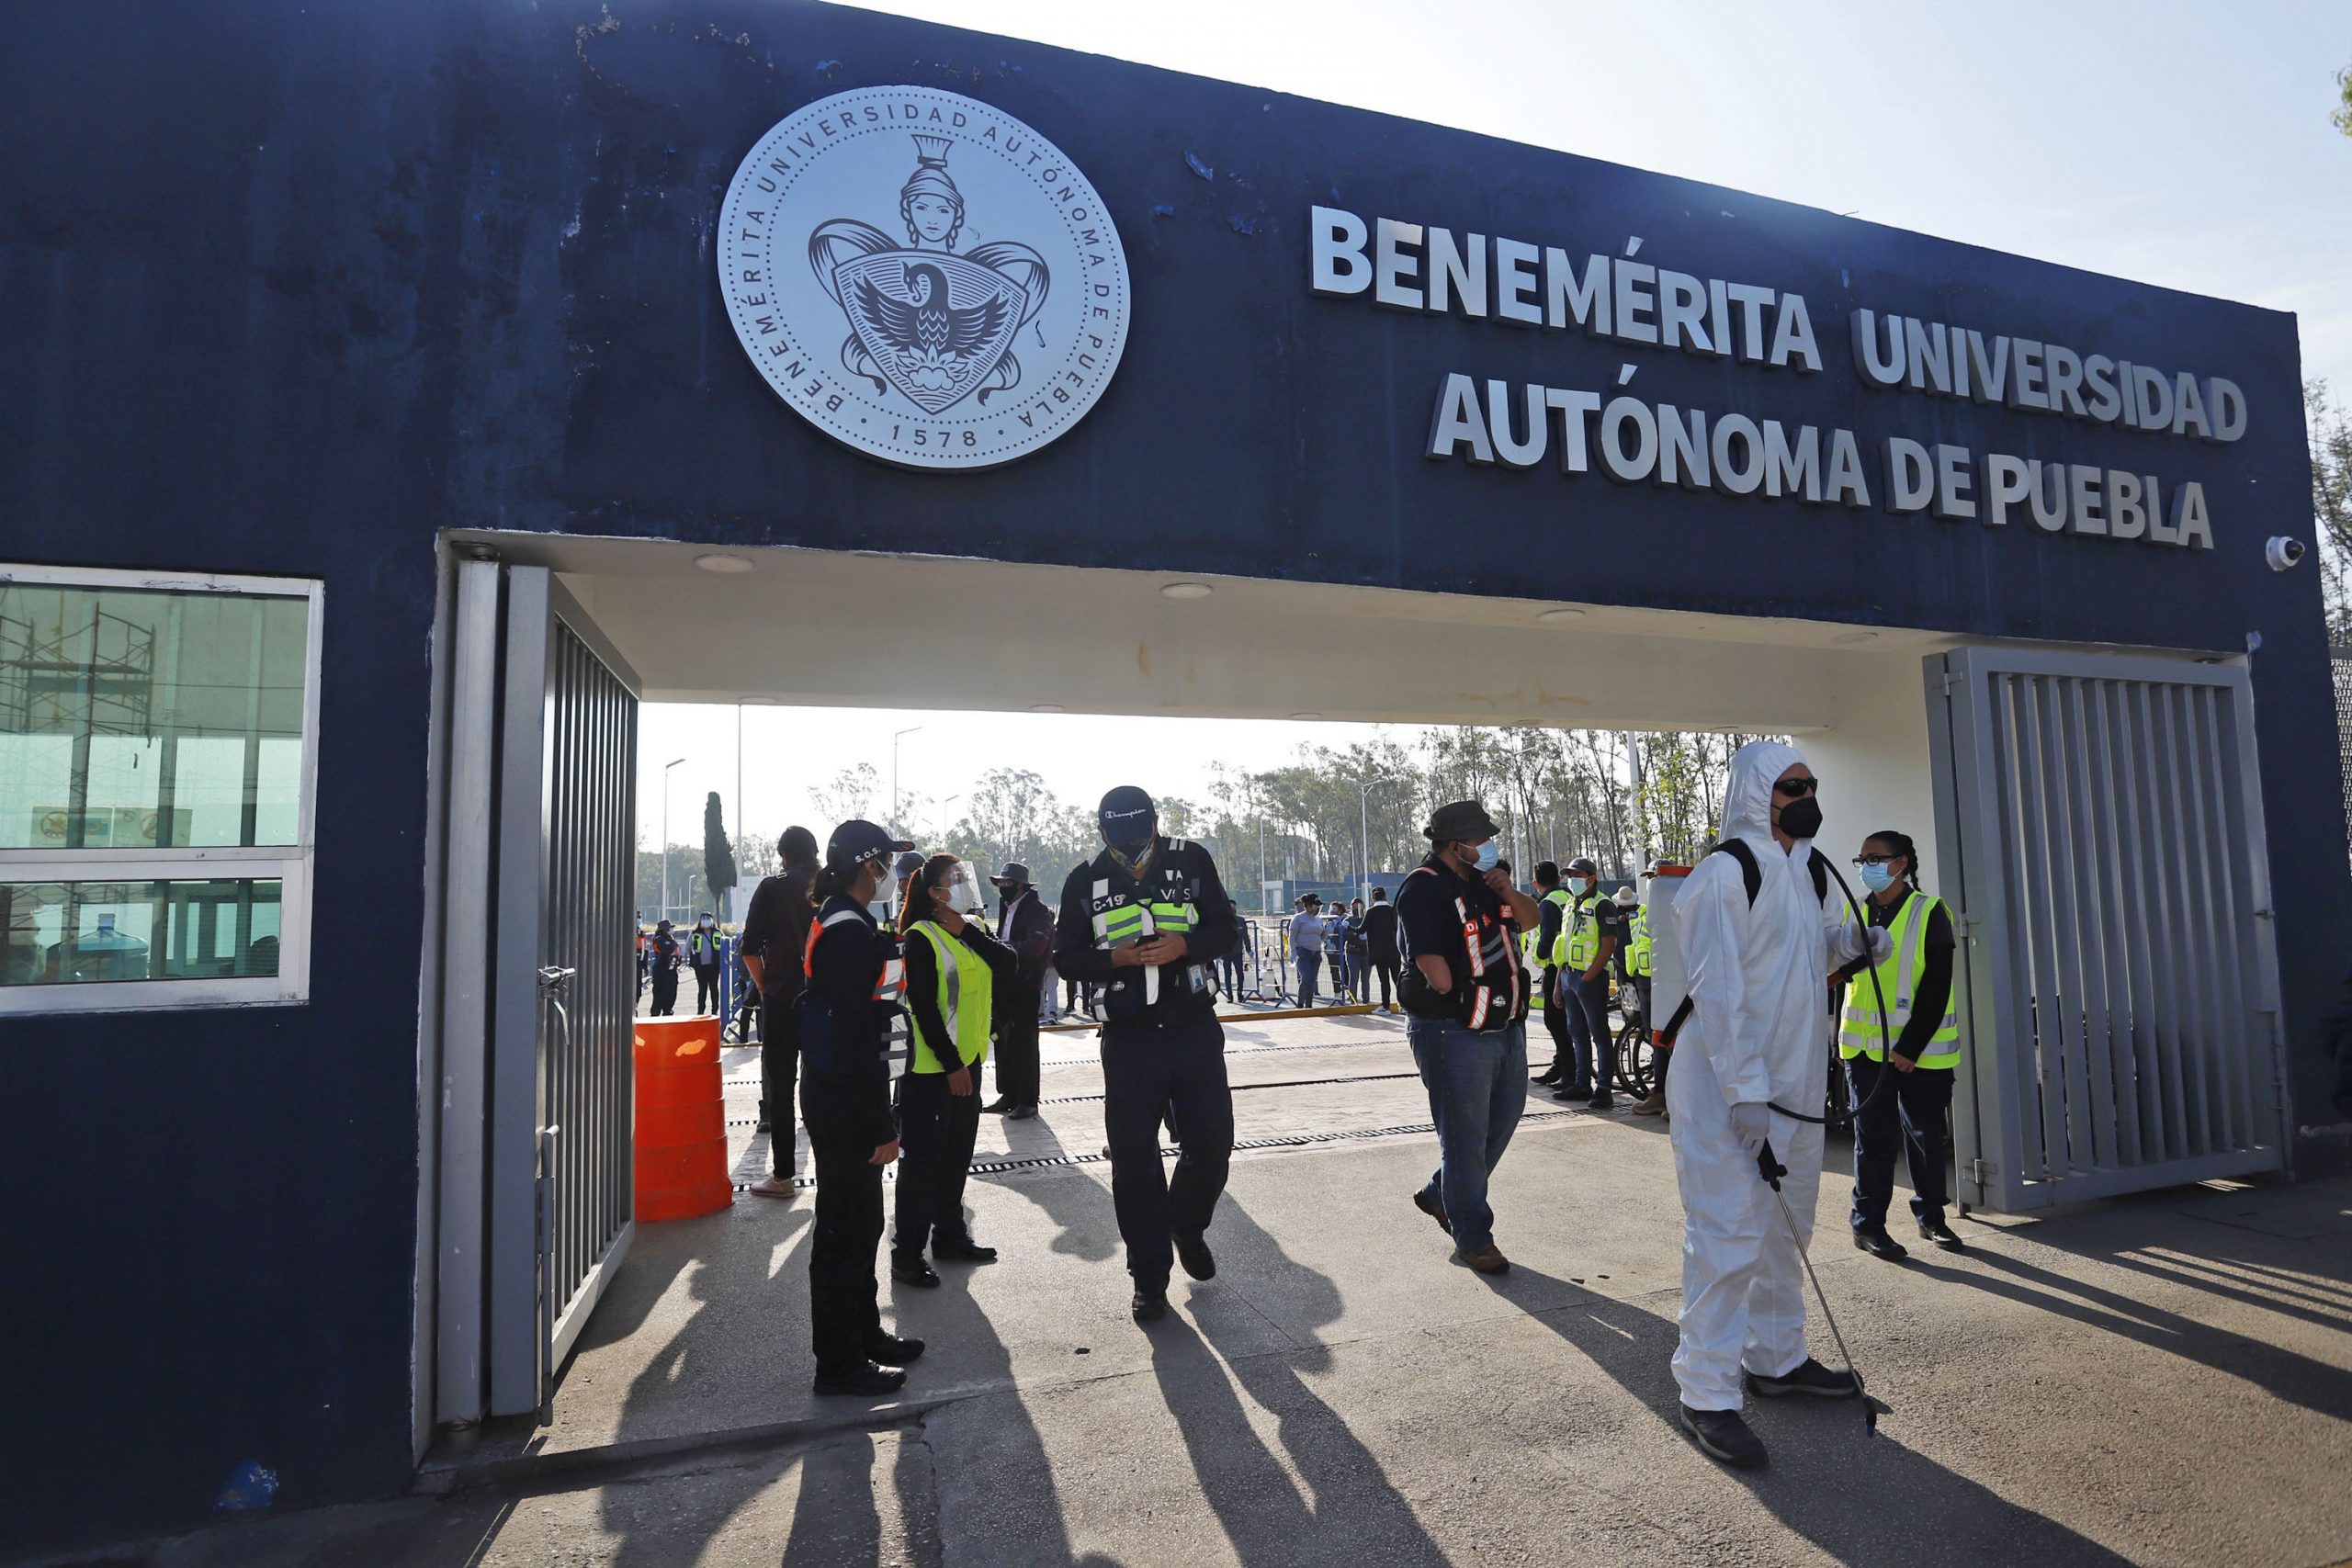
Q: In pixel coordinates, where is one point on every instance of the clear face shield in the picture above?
(961, 892)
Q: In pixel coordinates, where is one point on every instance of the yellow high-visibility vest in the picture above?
(1859, 1033)
(1579, 942)
(1638, 950)
(966, 998)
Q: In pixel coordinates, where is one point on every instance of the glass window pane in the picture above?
(89, 932)
(141, 720)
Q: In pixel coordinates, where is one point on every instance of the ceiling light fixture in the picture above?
(725, 565)
(1565, 612)
(1048, 707)
(1307, 715)
(1185, 590)
(1851, 638)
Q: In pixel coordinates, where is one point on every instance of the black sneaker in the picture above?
(1433, 1209)
(1604, 1100)
(1878, 1244)
(1942, 1234)
(998, 1106)
(1723, 1435)
(868, 1380)
(1022, 1112)
(914, 1271)
(1807, 1376)
(1548, 1076)
(893, 1351)
(1148, 1306)
(1192, 1252)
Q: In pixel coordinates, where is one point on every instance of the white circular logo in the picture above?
(923, 277)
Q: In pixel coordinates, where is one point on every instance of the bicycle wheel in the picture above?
(1634, 1058)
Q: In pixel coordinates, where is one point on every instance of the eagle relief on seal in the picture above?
(938, 326)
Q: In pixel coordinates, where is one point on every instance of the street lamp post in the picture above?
(665, 837)
(1363, 834)
(893, 823)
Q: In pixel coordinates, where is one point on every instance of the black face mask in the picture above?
(1801, 818)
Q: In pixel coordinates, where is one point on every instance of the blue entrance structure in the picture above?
(292, 292)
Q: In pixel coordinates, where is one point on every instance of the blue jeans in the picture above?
(1588, 1028)
(1309, 964)
(1477, 1086)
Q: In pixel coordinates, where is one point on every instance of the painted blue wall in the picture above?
(285, 288)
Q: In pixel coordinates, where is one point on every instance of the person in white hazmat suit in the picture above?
(1758, 1033)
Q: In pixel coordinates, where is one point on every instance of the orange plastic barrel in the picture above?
(681, 1120)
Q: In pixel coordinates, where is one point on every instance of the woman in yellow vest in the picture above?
(954, 968)
(1921, 1018)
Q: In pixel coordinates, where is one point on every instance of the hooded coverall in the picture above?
(1758, 1032)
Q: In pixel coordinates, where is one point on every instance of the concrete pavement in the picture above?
(2162, 1379)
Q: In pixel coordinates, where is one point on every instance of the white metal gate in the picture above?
(537, 1109)
(2101, 819)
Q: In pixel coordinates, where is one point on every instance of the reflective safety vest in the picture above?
(1638, 948)
(702, 947)
(1495, 992)
(892, 983)
(1898, 977)
(966, 1000)
(1558, 896)
(1120, 917)
(1579, 942)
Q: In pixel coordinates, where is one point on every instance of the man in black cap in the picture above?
(1591, 929)
(1023, 925)
(1142, 923)
(775, 946)
(1466, 991)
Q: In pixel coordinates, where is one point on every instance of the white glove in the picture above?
(1882, 943)
(1751, 1124)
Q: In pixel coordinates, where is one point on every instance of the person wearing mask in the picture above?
(1359, 952)
(1641, 963)
(855, 985)
(904, 873)
(665, 971)
(1551, 904)
(1141, 923)
(1910, 1001)
(1591, 929)
(775, 941)
(955, 971)
(702, 952)
(1380, 947)
(1753, 924)
(1335, 949)
(1024, 926)
(1307, 945)
(1465, 993)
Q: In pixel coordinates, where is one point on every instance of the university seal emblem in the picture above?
(923, 277)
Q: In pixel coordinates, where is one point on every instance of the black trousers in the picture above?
(1017, 1071)
(1555, 1024)
(706, 988)
(1386, 968)
(779, 1076)
(1910, 1116)
(665, 992)
(844, 1314)
(936, 1131)
(1151, 1069)
(1589, 1028)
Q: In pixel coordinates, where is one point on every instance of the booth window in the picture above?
(158, 759)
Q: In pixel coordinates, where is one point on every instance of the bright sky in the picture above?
(2172, 142)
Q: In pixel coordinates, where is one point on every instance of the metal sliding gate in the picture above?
(2101, 819)
(537, 1109)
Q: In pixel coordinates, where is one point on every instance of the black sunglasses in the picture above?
(1794, 789)
(1875, 860)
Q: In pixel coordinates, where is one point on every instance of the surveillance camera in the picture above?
(2282, 553)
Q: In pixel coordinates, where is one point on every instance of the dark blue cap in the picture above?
(1127, 815)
